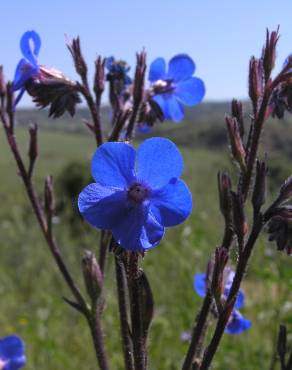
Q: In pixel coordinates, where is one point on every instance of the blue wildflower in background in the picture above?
(237, 323)
(28, 66)
(118, 70)
(176, 87)
(136, 194)
(12, 353)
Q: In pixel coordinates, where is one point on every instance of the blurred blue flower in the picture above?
(176, 87)
(237, 323)
(118, 70)
(28, 66)
(12, 353)
(136, 194)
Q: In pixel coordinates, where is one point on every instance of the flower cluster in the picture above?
(12, 353)
(237, 323)
(136, 194)
(280, 229)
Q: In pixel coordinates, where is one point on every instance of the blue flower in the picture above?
(12, 353)
(237, 323)
(136, 194)
(176, 87)
(28, 66)
(118, 70)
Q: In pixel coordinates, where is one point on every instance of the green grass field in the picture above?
(31, 288)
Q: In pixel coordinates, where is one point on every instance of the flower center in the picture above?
(163, 86)
(138, 192)
(2, 364)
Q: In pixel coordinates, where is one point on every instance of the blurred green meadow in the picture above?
(31, 288)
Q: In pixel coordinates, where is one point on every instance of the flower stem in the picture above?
(94, 324)
(136, 313)
(122, 299)
(197, 332)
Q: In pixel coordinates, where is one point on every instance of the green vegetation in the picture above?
(31, 288)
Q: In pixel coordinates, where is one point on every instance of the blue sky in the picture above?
(219, 35)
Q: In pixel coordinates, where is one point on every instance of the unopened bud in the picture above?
(99, 77)
(224, 188)
(217, 285)
(240, 225)
(259, 191)
(49, 196)
(139, 77)
(75, 50)
(33, 142)
(93, 277)
(269, 53)
(237, 112)
(286, 190)
(237, 148)
(255, 85)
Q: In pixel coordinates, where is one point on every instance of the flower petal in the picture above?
(171, 108)
(157, 70)
(239, 299)
(138, 229)
(190, 92)
(180, 67)
(24, 71)
(18, 98)
(158, 161)
(172, 204)
(199, 284)
(12, 350)
(237, 323)
(113, 164)
(30, 44)
(101, 206)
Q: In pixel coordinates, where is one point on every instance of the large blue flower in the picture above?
(136, 194)
(12, 353)
(176, 87)
(237, 323)
(28, 66)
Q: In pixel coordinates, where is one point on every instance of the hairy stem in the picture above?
(197, 332)
(122, 299)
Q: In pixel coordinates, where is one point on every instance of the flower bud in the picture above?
(237, 148)
(255, 86)
(75, 50)
(269, 53)
(33, 143)
(93, 277)
(224, 188)
(237, 112)
(240, 225)
(286, 190)
(49, 196)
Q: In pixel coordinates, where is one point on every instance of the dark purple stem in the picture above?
(197, 332)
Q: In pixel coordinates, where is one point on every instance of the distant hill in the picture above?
(203, 126)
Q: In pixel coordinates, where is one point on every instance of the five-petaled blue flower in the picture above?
(28, 66)
(136, 194)
(237, 323)
(12, 353)
(176, 87)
